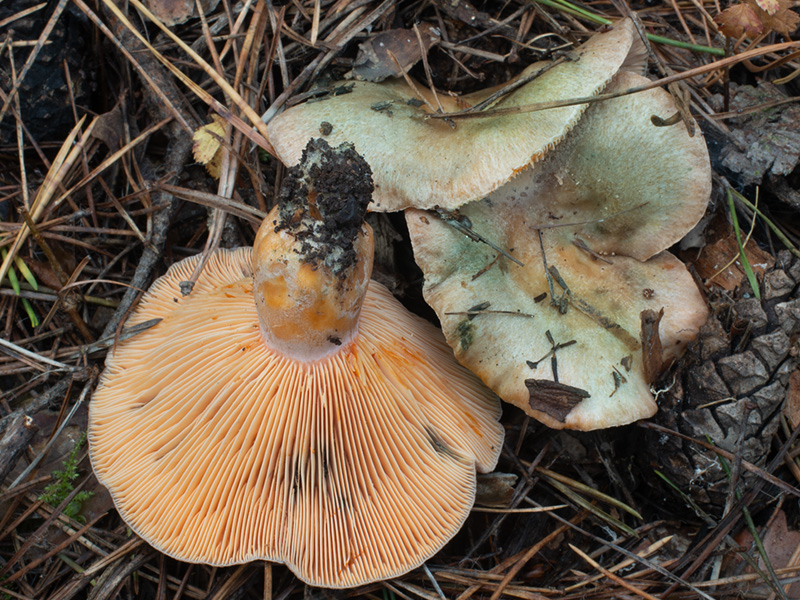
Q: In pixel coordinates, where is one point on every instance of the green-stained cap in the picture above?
(421, 162)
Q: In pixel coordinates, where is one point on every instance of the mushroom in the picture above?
(566, 325)
(290, 409)
(422, 162)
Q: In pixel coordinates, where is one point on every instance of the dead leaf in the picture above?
(783, 21)
(109, 128)
(652, 357)
(739, 19)
(720, 248)
(175, 12)
(207, 147)
(792, 407)
(391, 53)
(554, 398)
(44, 273)
(754, 17)
(495, 489)
(783, 550)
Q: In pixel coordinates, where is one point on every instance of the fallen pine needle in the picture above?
(610, 575)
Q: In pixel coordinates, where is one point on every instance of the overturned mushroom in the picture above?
(272, 415)
(423, 162)
(568, 323)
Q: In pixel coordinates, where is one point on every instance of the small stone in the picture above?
(790, 264)
(754, 449)
(743, 373)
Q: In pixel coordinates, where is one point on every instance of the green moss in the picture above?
(63, 484)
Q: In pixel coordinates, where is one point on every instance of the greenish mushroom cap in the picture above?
(422, 162)
(572, 334)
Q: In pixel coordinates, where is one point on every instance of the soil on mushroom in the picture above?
(328, 228)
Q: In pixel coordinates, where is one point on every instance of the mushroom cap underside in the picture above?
(351, 469)
(422, 162)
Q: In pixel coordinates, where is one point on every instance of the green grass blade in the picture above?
(26, 272)
(748, 270)
(686, 498)
(772, 579)
(582, 487)
(572, 9)
(12, 275)
(584, 503)
(31, 312)
(778, 233)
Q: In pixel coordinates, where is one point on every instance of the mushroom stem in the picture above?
(313, 255)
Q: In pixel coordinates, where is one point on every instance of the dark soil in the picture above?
(323, 202)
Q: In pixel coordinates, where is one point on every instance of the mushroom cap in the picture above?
(633, 188)
(350, 469)
(501, 347)
(602, 363)
(423, 162)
